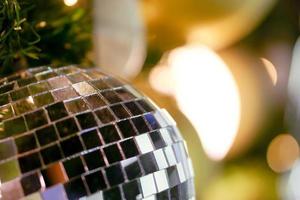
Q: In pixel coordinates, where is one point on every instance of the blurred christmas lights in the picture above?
(70, 2)
(294, 182)
(206, 93)
(271, 70)
(282, 153)
(174, 22)
(293, 109)
(158, 80)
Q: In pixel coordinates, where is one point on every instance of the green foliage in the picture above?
(16, 42)
(38, 32)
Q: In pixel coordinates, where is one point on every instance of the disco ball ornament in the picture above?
(72, 133)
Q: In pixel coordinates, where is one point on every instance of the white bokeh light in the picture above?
(294, 181)
(207, 94)
(70, 2)
(271, 70)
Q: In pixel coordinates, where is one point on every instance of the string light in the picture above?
(70, 2)
(42, 24)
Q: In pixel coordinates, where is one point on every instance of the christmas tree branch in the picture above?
(35, 32)
(15, 45)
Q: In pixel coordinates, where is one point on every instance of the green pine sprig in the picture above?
(38, 32)
(17, 37)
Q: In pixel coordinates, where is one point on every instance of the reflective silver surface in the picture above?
(73, 133)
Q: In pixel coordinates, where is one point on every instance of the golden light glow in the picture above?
(207, 94)
(70, 2)
(271, 70)
(246, 16)
(282, 153)
(42, 24)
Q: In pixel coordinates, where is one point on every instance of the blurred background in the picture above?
(227, 71)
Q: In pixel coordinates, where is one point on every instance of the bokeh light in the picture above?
(282, 153)
(271, 70)
(158, 80)
(207, 94)
(246, 16)
(294, 182)
(70, 2)
(242, 182)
